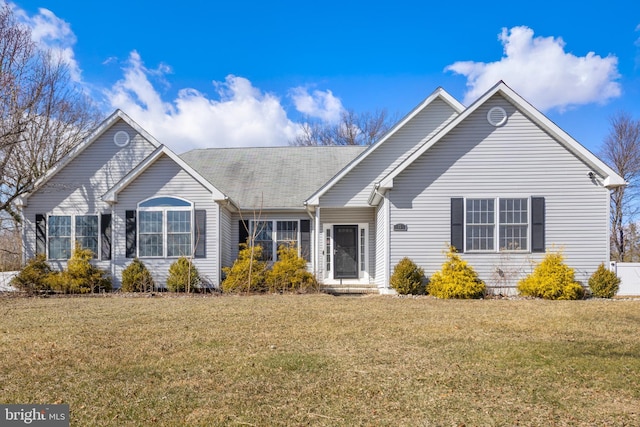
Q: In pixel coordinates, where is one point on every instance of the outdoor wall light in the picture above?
(591, 175)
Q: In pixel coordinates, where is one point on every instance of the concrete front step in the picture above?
(349, 289)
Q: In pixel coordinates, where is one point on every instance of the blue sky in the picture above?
(209, 73)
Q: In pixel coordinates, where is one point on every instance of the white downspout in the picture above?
(114, 245)
(387, 241)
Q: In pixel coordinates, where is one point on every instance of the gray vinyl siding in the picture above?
(77, 188)
(517, 160)
(348, 216)
(166, 178)
(354, 189)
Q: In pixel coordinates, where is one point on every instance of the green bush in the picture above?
(289, 273)
(34, 277)
(247, 274)
(551, 279)
(80, 276)
(408, 278)
(604, 283)
(183, 276)
(457, 279)
(137, 278)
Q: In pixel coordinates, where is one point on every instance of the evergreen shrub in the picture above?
(183, 276)
(80, 276)
(247, 274)
(34, 276)
(408, 278)
(604, 283)
(551, 279)
(289, 273)
(456, 279)
(137, 278)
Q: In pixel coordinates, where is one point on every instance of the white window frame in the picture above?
(73, 236)
(497, 224)
(274, 234)
(165, 231)
(328, 252)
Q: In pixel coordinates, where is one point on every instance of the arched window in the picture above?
(165, 227)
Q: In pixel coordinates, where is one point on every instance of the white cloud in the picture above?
(242, 116)
(541, 71)
(53, 33)
(318, 104)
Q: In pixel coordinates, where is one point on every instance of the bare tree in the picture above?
(43, 114)
(352, 129)
(621, 151)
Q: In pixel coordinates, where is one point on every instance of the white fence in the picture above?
(5, 280)
(629, 274)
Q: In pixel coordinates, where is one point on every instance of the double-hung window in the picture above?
(480, 224)
(63, 230)
(272, 234)
(165, 227)
(59, 238)
(505, 230)
(514, 224)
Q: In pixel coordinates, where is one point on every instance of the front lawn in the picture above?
(323, 360)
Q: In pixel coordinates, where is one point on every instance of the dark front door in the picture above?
(345, 251)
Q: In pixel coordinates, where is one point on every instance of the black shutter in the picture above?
(305, 239)
(105, 236)
(457, 223)
(130, 229)
(200, 233)
(537, 224)
(41, 234)
(243, 231)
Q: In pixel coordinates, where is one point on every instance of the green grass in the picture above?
(323, 360)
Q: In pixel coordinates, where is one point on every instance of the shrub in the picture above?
(604, 283)
(183, 276)
(408, 278)
(80, 276)
(551, 279)
(247, 272)
(290, 273)
(34, 276)
(137, 278)
(457, 279)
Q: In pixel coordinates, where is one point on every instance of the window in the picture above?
(63, 230)
(165, 227)
(151, 235)
(510, 234)
(519, 224)
(263, 232)
(87, 232)
(59, 237)
(514, 228)
(480, 224)
(271, 234)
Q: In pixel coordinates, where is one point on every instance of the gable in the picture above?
(477, 157)
(354, 187)
(88, 173)
(164, 177)
(479, 110)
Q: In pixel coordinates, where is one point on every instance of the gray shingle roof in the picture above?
(270, 177)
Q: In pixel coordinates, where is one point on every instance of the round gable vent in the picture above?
(121, 138)
(497, 116)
